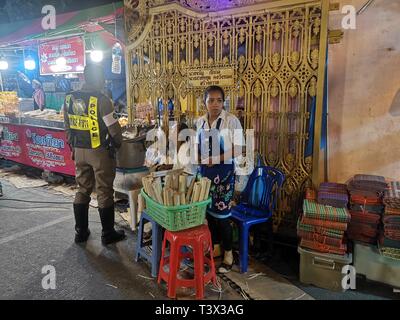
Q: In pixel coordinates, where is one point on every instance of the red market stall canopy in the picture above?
(100, 26)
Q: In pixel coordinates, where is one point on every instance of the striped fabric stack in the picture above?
(389, 241)
(366, 207)
(333, 194)
(321, 228)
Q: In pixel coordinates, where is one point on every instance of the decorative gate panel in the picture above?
(274, 53)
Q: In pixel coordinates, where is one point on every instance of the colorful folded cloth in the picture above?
(333, 233)
(364, 239)
(391, 227)
(338, 200)
(386, 242)
(323, 248)
(334, 242)
(392, 195)
(390, 252)
(392, 211)
(370, 201)
(367, 185)
(317, 211)
(327, 224)
(369, 180)
(371, 209)
(365, 193)
(311, 194)
(333, 185)
(392, 203)
(391, 220)
(365, 217)
(392, 234)
(356, 229)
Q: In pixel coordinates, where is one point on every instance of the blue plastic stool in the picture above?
(151, 254)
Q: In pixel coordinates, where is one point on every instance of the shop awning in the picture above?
(101, 26)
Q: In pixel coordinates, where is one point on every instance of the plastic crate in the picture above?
(322, 270)
(176, 218)
(374, 266)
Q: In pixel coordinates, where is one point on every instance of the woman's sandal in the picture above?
(225, 268)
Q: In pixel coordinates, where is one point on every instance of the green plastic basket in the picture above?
(176, 218)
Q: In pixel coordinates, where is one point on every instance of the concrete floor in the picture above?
(37, 235)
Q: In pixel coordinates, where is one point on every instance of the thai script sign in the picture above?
(207, 77)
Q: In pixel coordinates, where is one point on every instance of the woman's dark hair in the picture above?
(183, 126)
(214, 89)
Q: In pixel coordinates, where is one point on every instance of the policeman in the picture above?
(93, 132)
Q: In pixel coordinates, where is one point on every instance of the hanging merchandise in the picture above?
(63, 85)
(160, 110)
(116, 58)
(171, 109)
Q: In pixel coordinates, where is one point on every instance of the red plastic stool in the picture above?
(199, 238)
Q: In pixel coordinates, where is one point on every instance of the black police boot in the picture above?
(109, 234)
(81, 212)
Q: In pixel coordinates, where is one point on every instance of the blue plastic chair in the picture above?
(257, 203)
(151, 254)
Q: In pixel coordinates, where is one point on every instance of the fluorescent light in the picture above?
(3, 64)
(30, 64)
(96, 55)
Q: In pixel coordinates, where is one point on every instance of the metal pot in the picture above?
(132, 154)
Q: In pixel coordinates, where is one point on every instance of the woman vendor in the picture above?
(217, 150)
(38, 96)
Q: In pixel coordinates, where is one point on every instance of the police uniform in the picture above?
(91, 124)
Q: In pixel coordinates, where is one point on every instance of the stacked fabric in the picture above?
(390, 237)
(322, 228)
(367, 185)
(311, 194)
(333, 194)
(364, 226)
(366, 207)
(389, 248)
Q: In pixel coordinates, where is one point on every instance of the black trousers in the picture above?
(221, 231)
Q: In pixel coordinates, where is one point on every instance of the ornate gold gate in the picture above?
(277, 50)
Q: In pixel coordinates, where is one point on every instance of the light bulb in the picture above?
(3, 64)
(96, 55)
(30, 64)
